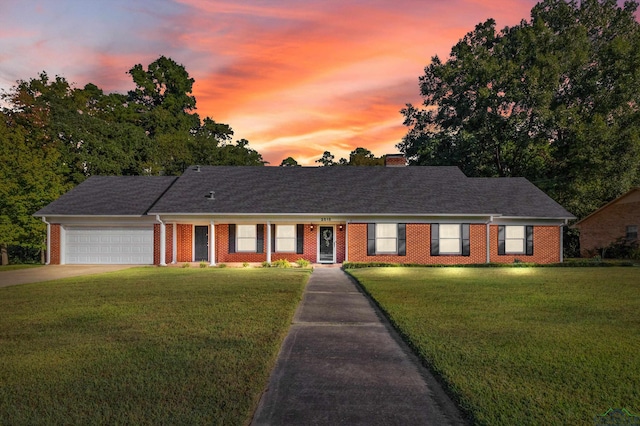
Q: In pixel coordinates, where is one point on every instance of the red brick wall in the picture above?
(222, 248)
(54, 255)
(310, 247)
(606, 226)
(546, 246)
(168, 255)
(340, 243)
(418, 246)
(184, 239)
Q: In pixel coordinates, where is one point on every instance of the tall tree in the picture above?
(289, 162)
(555, 99)
(358, 157)
(30, 179)
(327, 159)
(364, 157)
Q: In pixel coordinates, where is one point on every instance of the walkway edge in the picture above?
(442, 397)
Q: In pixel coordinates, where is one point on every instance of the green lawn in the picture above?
(521, 345)
(143, 346)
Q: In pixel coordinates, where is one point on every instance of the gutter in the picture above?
(488, 239)
(48, 259)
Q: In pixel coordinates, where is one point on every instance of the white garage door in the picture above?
(109, 245)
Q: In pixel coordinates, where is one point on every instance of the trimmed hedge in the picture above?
(566, 264)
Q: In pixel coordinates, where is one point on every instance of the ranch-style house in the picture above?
(227, 214)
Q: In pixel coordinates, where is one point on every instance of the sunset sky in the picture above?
(295, 78)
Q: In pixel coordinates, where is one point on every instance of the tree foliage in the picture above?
(358, 157)
(53, 136)
(555, 99)
(289, 162)
(29, 172)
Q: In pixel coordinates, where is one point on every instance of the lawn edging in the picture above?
(518, 346)
(446, 386)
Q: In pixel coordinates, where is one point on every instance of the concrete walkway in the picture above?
(342, 364)
(53, 272)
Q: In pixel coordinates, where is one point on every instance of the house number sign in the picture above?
(325, 219)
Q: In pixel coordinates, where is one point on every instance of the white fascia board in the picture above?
(101, 220)
(328, 218)
(529, 221)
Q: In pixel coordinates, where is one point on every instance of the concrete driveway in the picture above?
(54, 272)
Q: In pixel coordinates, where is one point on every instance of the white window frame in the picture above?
(509, 230)
(245, 239)
(280, 240)
(630, 230)
(386, 238)
(449, 237)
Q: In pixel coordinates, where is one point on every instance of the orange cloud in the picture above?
(294, 78)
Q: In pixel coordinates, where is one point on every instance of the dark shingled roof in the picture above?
(353, 190)
(110, 196)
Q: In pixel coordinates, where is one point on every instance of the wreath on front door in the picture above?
(327, 235)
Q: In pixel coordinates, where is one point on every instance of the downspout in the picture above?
(163, 243)
(562, 240)
(48, 258)
(488, 238)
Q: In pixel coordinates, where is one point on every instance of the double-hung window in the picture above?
(386, 239)
(515, 239)
(246, 238)
(450, 239)
(632, 232)
(285, 238)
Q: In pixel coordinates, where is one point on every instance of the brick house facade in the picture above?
(218, 214)
(618, 220)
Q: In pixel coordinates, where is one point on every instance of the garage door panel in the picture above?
(109, 245)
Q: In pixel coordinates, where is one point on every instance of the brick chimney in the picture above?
(395, 160)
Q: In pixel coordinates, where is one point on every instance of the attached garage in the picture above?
(109, 245)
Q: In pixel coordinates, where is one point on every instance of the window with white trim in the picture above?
(514, 239)
(632, 232)
(386, 238)
(246, 236)
(450, 239)
(285, 238)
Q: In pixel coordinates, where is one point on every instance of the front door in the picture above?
(327, 245)
(201, 249)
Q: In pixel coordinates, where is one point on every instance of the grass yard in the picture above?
(144, 345)
(521, 345)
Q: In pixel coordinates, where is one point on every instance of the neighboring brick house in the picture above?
(616, 221)
(224, 214)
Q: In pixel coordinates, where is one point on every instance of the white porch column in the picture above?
(346, 241)
(174, 246)
(163, 243)
(212, 244)
(63, 245)
(268, 241)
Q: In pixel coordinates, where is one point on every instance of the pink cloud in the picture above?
(294, 78)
